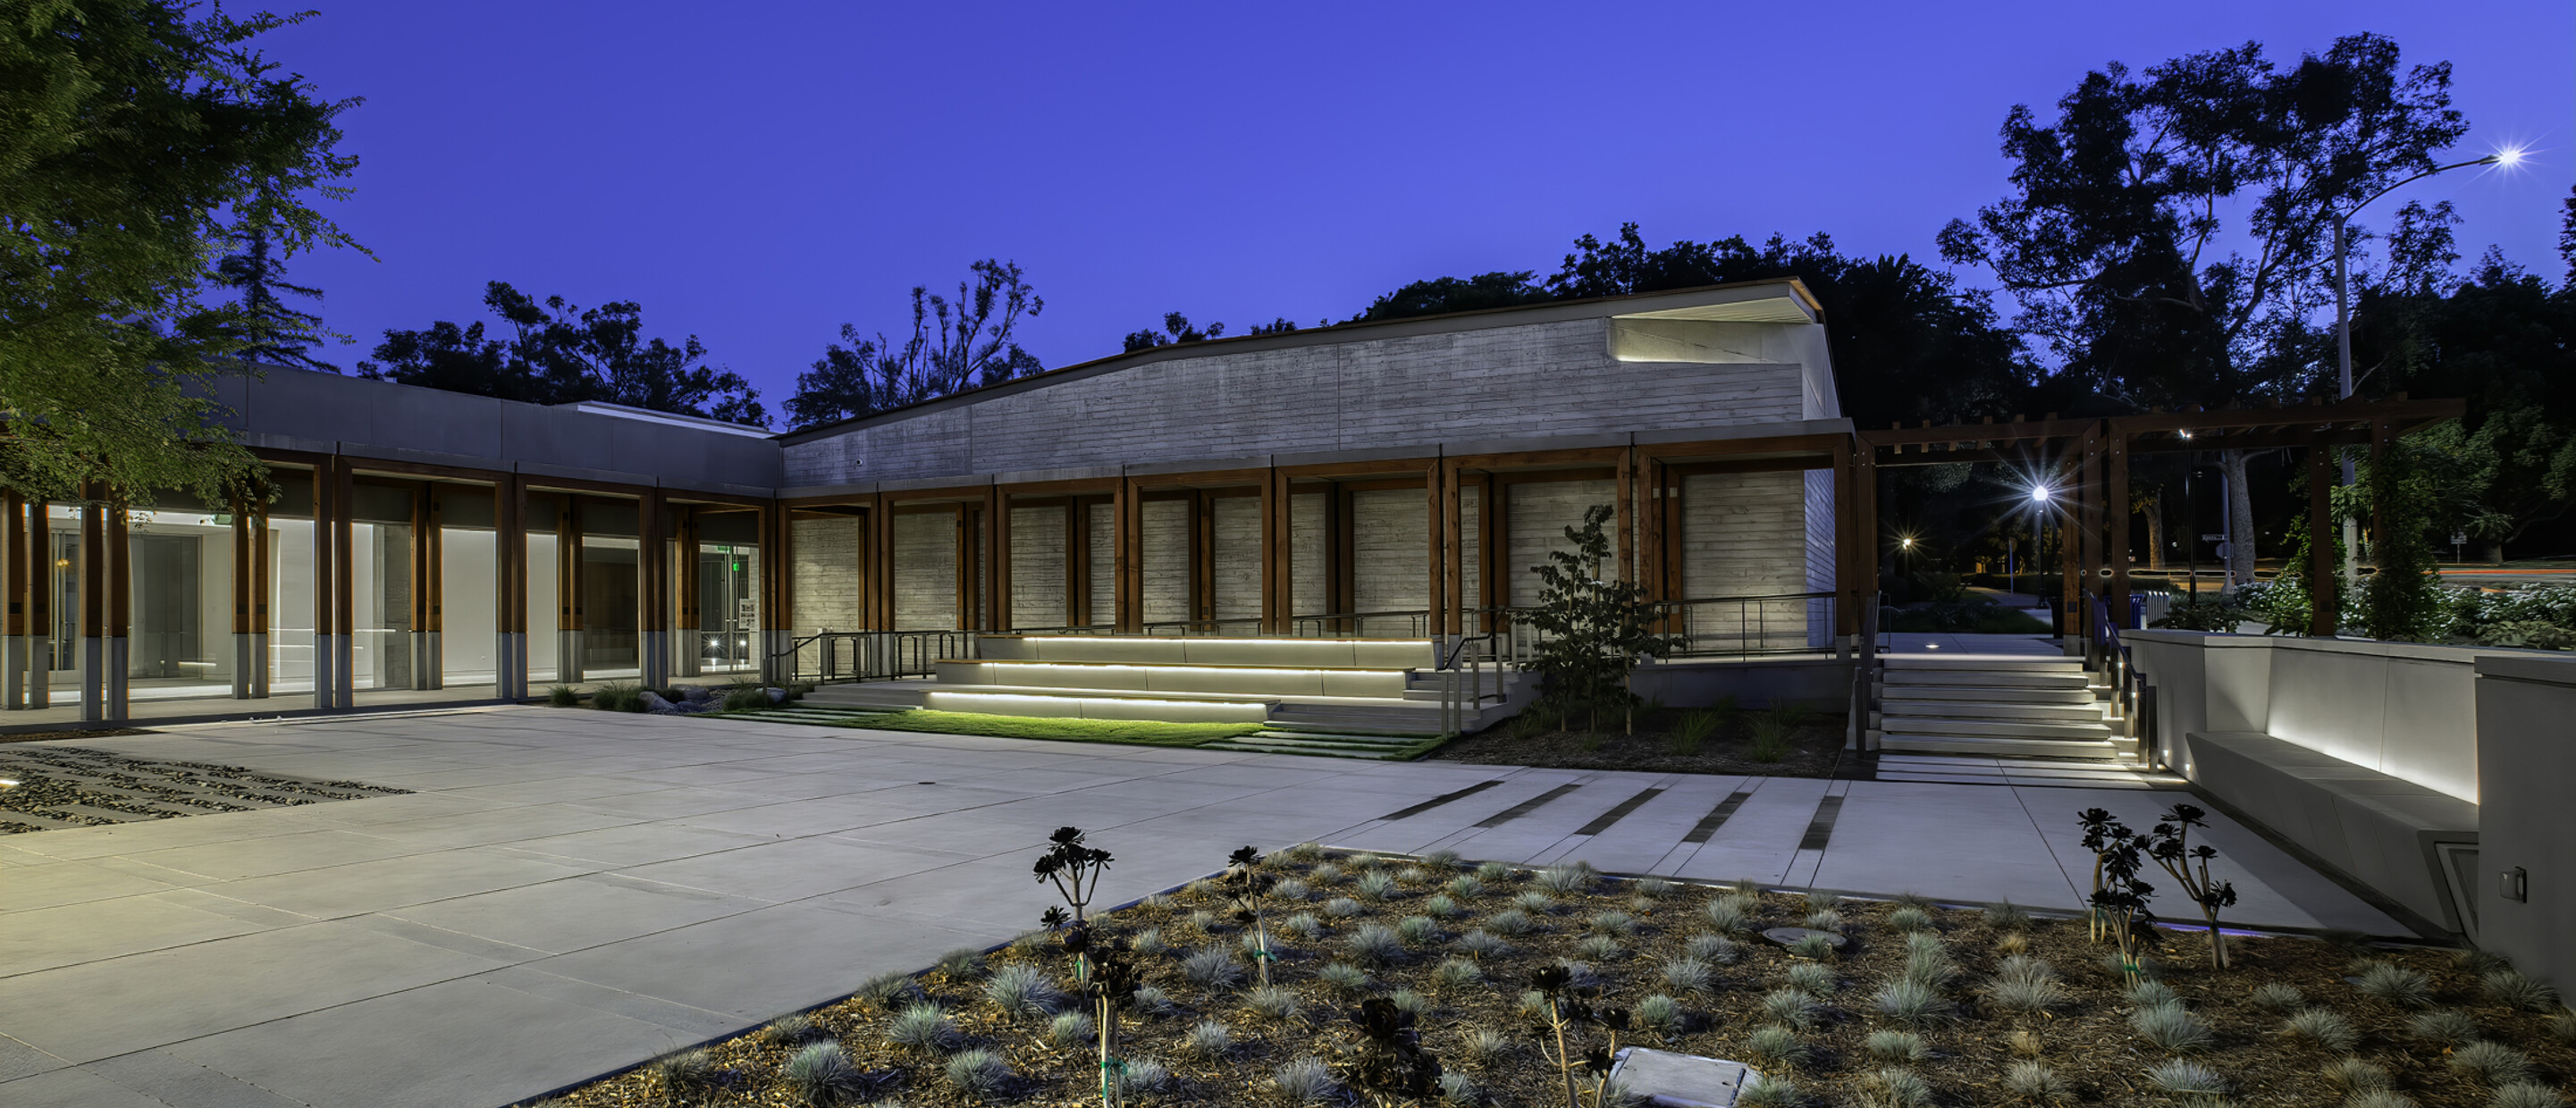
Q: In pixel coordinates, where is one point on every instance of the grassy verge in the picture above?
(1138, 732)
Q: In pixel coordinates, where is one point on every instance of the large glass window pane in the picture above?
(728, 608)
(179, 640)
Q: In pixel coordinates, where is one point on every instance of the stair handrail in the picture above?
(874, 655)
(1866, 666)
(2103, 648)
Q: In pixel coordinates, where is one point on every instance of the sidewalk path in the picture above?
(565, 893)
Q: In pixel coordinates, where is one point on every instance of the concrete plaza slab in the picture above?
(568, 892)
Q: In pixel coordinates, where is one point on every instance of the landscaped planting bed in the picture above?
(1925, 1005)
(1794, 741)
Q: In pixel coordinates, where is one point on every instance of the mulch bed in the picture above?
(56, 736)
(1813, 748)
(2086, 1041)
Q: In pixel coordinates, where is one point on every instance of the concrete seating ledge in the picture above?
(1067, 704)
(1152, 650)
(1178, 678)
(2379, 829)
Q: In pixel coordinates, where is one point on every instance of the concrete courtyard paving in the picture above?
(565, 893)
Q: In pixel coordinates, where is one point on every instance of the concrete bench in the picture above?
(1175, 650)
(2384, 831)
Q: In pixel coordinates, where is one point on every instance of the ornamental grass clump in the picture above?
(1494, 873)
(1374, 944)
(2512, 989)
(1896, 1046)
(1689, 975)
(1344, 978)
(2036, 1083)
(1911, 1002)
(1272, 1002)
(2172, 1028)
(1343, 907)
(1792, 1008)
(2006, 917)
(1021, 989)
(1716, 950)
(1465, 886)
(1441, 906)
(1304, 1081)
(1535, 902)
(1598, 948)
(684, 1072)
(2187, 1079)
(1909, 919)
(1207, 1040)
(1304, 925)
(1815, 979)
(1481, 944)
(976, 1073)
(1776, 1045)
(2027, 985)
(1418, 931)
(1613, 923)
(2277, 997)
(1727, 916)
(1325, 873)
(1660, 1014)
(2445, 1028)
(1893, 1087)
(2149, 994)
(921, 1027)
(1931, 969)
(1510, 921)
(2323, 1027)
(1376, 885)
(1772, 1091)
(791, 1030)
(1568, 878)
(2378, 1098)
(1813, 948)
(821, 1073)
(2396, 984)
(1070, 1030)
(1485, 1046)
(1212, 967)
(1292, 890)
(1457, 973)
(1143, 1075)
(2357, 1075)
(2491, 1063)
(2526, 1094)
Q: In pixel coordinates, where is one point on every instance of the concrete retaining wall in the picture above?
(2526, 761)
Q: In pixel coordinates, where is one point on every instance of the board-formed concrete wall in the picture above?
(1504, 382)
(1235, 525)
(2526, 758)
(1037, 567)
(826, 574)
(925, 571)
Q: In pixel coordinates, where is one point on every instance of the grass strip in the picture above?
(1136, 732)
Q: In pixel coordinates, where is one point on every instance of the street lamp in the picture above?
(2506, 158)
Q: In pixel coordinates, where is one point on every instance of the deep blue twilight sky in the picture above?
(758, 174)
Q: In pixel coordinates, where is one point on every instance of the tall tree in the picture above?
(960, 344)
(1443, 295)
(2168, 232)
(139, 137)
(272, 331)
(559, 353)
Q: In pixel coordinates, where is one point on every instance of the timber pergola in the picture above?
(2087, 462)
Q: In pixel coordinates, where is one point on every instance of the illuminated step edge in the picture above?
(1099, 707)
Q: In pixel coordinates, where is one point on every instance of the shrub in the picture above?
(2512, 989)
(1823, 919)
(2396, 985)
(1465, 886)
(1481, 943)
(1376, 885)
(1727, 916)
(1342, 977)
(1688, 975)
(1457, 973)
(1815, 979)
(1303, 852)
(821, 1073)
(1660, 1014)
(1021, 989)
(2171, 1027)
(1697, 725)
(1275, 1002)
(1208, 1040)
(1770, 735)
(1924, 943)
(1071, 1031)
(2525, 1094)
(562, 696)
(1910, 919)
(2355, 1075)
(1911, 1002)
(1891, 1087)
(1413, 875)
(1777, 1046)
(2035, 1082)
(921, 1027)
(1343, 907)
(1771, 1091)
(1304, 1081)
(618, 697)
(1568, 877)
(1213, 967)
(2444, 1028)
(1440, 906)
(1716, 950)
(977, 1072)
(2491, 1063)
(744, 700)
(1374, 944)
(1896, 1046)
(2182, 1078)
(1510, 921)
(2277, 997)
(2326, 1028)
(1418, 930)
(2006, 917)
(1792, 1007)
(1598, 948)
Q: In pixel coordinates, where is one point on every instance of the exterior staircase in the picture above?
(2000, 705)
(1349, 698)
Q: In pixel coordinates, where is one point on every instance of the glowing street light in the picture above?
(2040, 494)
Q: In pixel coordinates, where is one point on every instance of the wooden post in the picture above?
(1126, 515)
(653, 584)
(1853, 533)
(326, 566)
(344, 599)
(13, 669)
(120, 612)
(1001, 543)
(1077, 562)
(1865, 489)
(263, 552)
(1626, 516)
(687, 623)
(2324, 607)
(510, 588)
(40, 603)
(1496, 516)
(992, 602)
(1273, 620)
(2115, 499)
(1453, 552)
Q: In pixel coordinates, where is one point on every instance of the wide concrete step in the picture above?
(1223, 651)
(882, 694)
(2082, 712)
(1991, 679)
(1312, 746)
(1959, 744)
(1986, 694)
(1989, 662)
(1928, 725)
(1179, 678)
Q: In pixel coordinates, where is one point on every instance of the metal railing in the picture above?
(1866, 665)
(2132, 697)
(1462, 663)
(829, 657)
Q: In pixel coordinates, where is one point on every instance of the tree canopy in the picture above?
(955, 344)
(559, 353)
(140, 138)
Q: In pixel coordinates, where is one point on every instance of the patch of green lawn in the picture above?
(1140, 732)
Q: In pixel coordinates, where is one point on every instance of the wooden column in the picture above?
(1077, 562)
(2115, 500)
(1853, 534)
(1125, 538)
(881, 564)
(510, 588)
(40, 587)
(653, 639)
(2070, 574)
(263, 554)
(1626, 508)
(1493, 585)
(13, 670)
(1865, 487)
(1453, 552)
(989, 589)
(1001, 620)
(344, 556)
(2324, 607)
(1343, 583)
(327, 509)
(1274, 552)
(777, 592)
(688, 625)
